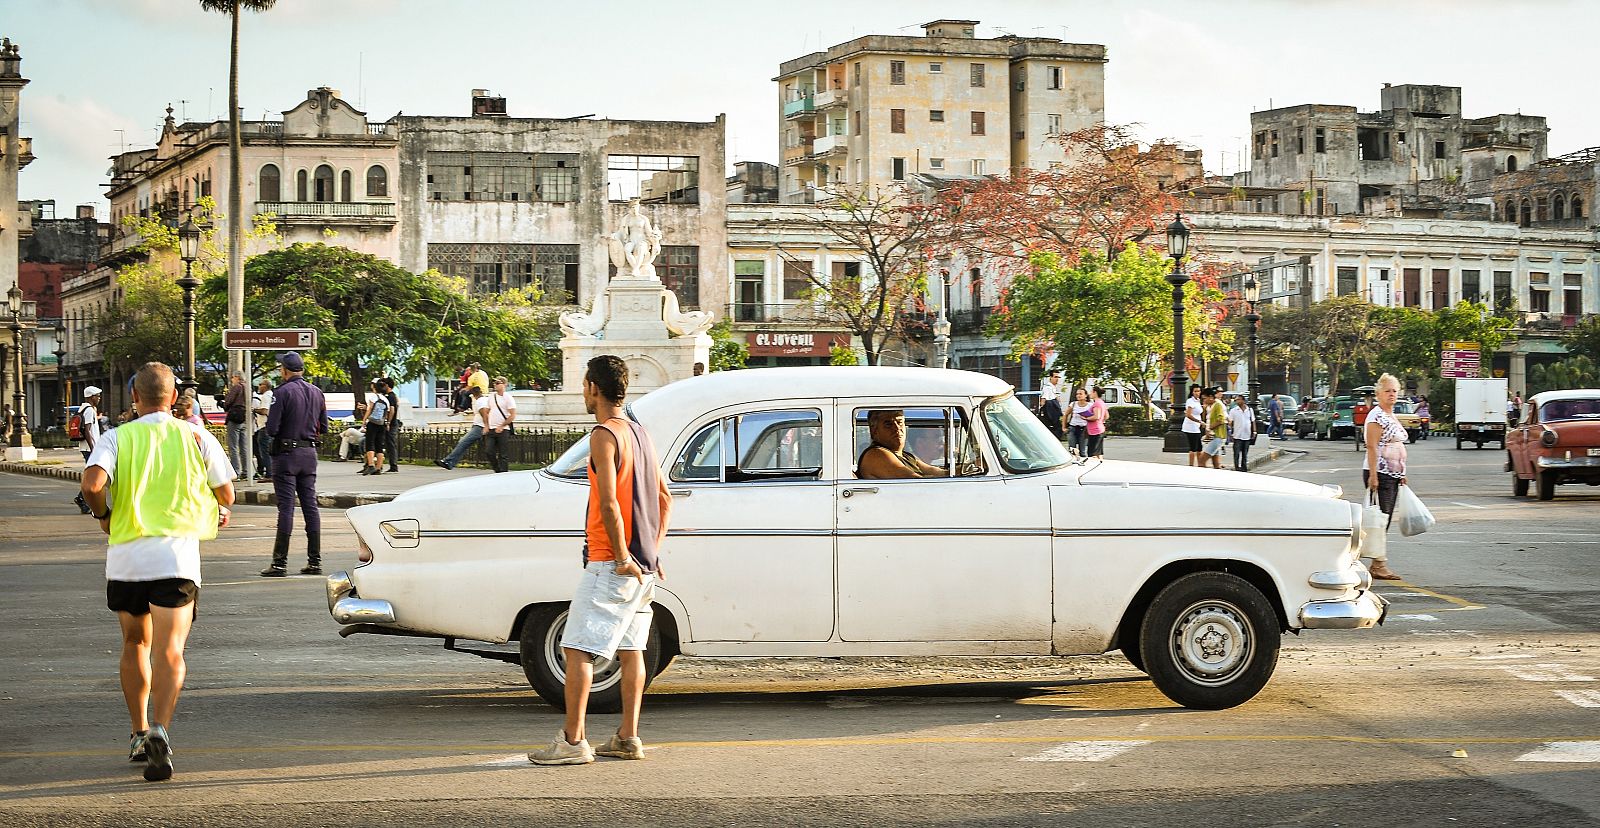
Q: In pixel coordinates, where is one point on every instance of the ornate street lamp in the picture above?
(19, 421)
(1252, 295)
(941, 326)
(61, 373)
(1177, 248)
(188, 250)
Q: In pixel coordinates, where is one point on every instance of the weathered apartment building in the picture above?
(878, 109)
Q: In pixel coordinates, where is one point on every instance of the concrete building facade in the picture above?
(774, 252)
(878, 109)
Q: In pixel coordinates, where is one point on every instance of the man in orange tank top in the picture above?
(626, 521)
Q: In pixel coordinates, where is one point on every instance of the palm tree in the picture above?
(235, 179)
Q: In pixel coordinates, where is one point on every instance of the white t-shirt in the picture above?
(91, 426)
(1048, 391)
(501, 409)
(152, 559)
(263, 400)
(1240, 424)
(1194, 407)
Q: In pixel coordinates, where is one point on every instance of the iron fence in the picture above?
(530, 448)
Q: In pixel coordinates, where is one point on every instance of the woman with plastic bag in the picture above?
(1383, 469)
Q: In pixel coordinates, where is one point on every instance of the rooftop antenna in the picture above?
(122, 138)
(210, 113)
(183, 109)
(361, 92)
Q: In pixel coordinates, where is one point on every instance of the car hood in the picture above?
(1129, 473)
(473, 487)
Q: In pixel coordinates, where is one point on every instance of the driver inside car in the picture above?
(887, 458)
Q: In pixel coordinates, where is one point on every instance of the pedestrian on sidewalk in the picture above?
(391, 434)
(260, 408)
(296, 422)
(1216, 428)
(1050, 402)
(476, 378)
(159, 487)
(1242, 429)
(499, 420)
(354, 437)
(1097, 423)
(627, 516)
(234, 405)
(1194, 426)
(378, 416)
(1383, 467)
(88, 420)
(474, 433)
(1275, 418)
(1078, 422)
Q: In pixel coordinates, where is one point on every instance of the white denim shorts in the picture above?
(1214, 447)
(609, 612)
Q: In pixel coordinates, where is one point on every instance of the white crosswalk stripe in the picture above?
(1089, 751)
(1564, 752)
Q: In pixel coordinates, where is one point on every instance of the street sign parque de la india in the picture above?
(269, 339)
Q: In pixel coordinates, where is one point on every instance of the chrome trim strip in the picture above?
(741, 533)
(964, 532)
(363, 611)
(339, 585)
(501, 533)
(1117, 532)
(1339, 580)
(906, 532)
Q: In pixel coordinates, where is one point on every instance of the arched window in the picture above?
(1558, 207)
(269, 187)
(377, 181)
(300, 185)
(1510, 213)
(344, 185)
(322, 182)
(1577, 206)
(1527, 213)
(1511, 163)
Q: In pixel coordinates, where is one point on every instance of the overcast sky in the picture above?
(103, 71)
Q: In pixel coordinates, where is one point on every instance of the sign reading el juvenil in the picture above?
(1459, 360)
(269, 339)
(786, 343)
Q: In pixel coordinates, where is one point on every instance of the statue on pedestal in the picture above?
(635, 245)
(634, 248)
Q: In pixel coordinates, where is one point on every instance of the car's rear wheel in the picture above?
(546, 666)
(1547, 485)
(1519, 484)
(1128, 643)
(1210, 641)
(1319, 435)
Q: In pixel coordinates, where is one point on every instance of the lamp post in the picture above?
(1252, 295)
(188, 250)
(941, 326)
(61, 372)
(20, 439)
(1177, 247)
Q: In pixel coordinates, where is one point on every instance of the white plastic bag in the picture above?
(1414, 518)
(1373, 524)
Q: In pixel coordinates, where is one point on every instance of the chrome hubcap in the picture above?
(607, 671)
(1211, 641)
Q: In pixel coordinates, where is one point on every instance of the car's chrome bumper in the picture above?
(1358, 613)
(1570, 463)
(347, 607)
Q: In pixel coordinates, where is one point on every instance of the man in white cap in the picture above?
(89, 432)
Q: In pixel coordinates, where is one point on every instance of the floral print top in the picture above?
(1391, 444)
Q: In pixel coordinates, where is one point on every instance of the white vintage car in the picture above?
(778, 549)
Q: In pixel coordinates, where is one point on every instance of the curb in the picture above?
(252, 497)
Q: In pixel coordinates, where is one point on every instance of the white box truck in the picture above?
(1481, 411)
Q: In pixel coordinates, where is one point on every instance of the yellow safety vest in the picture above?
(159, 486)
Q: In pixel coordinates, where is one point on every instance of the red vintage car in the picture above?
(1558, 442)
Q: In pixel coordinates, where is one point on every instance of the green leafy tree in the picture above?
(146, 325)
(727, 352)
(1414, 340)
(1573, 372)
(842, 355)
(1105, 319)
(1339, 330)
(374, 317)
(1584, 339)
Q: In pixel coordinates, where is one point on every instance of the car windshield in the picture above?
(1403, 407)
(1569, 410)
(1021, 441)
(574, 462)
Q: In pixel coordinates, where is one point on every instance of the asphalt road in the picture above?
(1491, 649)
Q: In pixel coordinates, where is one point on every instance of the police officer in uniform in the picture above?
(295, 424)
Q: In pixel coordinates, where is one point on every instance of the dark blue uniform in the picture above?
(295, 424)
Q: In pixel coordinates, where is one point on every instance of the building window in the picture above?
(344, 185)
(897, 72)
(1471, 291)
(977, 166)
(1558, 207)
(897, 120)
(1259, 150)
(322, 183)
(796, 278)
(487, 268)
(1321, 139)
(856, 122)
(856, 71)
(1348, 281)
(749, 280)
(935, 163)
(1511, 163)
(1504, 300)
(1053, 77)
(1576, 206)
(936, 116)
(1411, 295)
(977, 123)
(1441, 289)
(653, 179)
(1438, 150)
(269, 187)
(377, 182)
(935, 68)
(1510, 212)
(682, 273)
(977, 74)
(1538, 300)
(1299, 140)
(555, 266)
(555, 176)
(1052, 124)
(1274, 143)
(897, 169)
(1527, 213)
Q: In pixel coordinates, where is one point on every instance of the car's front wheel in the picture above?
(1519, 484)
(1210, 641)
(545, 665)
(1547, 485)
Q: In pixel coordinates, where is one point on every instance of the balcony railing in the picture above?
(829, 144)
(829, 98)
(799, 106)
(797, 312)
(326, 212)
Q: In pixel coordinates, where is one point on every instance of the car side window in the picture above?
(701, 459)
(778, 445)
(940, 437)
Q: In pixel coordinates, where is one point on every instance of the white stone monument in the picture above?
(634, 317)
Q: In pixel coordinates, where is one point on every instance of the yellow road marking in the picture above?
(884, 741)
(1460, 603)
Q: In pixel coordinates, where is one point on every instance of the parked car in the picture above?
(1406, 413)
(1558, 442)
(777, 549)
(1334, 419)
(1305, 419)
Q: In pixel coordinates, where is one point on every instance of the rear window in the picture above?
(1556, 410)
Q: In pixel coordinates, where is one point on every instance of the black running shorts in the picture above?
(136, 597)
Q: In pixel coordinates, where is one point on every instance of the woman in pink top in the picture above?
(1097, 424)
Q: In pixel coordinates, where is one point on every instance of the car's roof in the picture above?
(1572, 394)
(723, 388)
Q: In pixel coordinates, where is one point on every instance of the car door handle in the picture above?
(859, 490)
(680, 492)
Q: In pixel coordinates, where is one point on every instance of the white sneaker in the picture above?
(562, 752)
(620, 748)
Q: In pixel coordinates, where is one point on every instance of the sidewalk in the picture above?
(339, 485)
(1148, 450)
